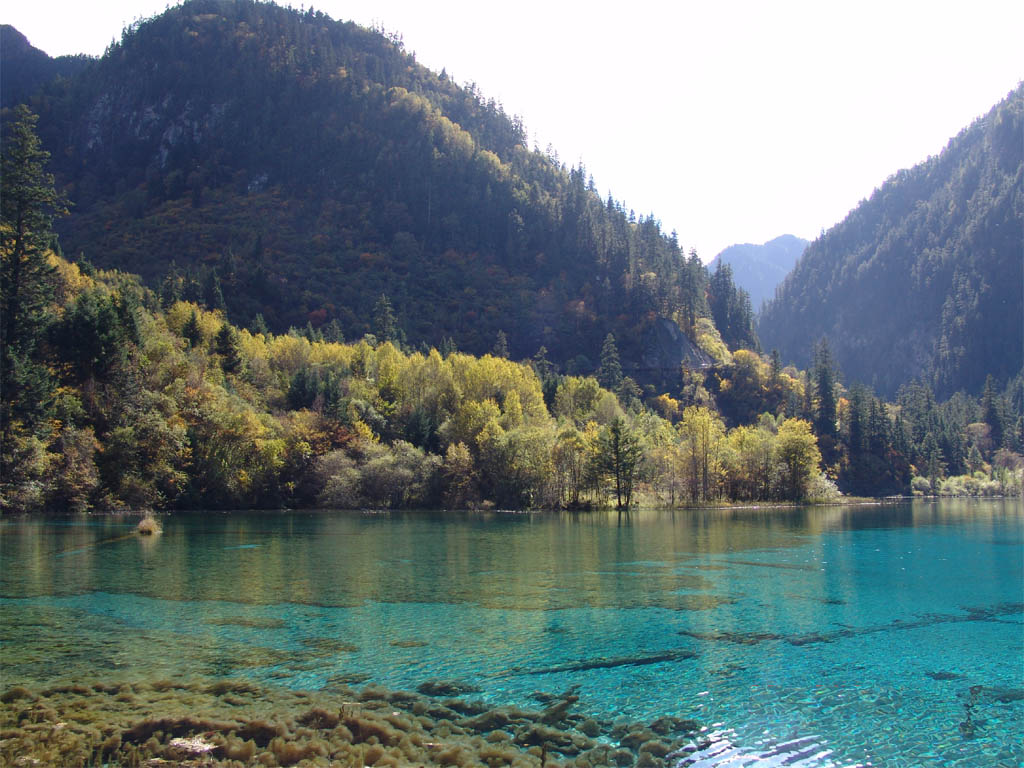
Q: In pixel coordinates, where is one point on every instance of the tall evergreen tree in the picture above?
(609, 374)
(776, 366)
(226, 345)
(731, 310)
(500, 345)
(824, 385)
(619, 457)
(990, 411)
(385, 326)
(191, 331)
(28, 202)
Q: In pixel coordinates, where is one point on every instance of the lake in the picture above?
(829, 636)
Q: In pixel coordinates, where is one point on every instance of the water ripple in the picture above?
(718, 748)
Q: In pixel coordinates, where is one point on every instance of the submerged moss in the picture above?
(239, 724)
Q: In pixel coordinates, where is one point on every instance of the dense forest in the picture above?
(113, 396)
(196, 313)
(923, 281)
(757, 269)
(24, 68)
(323, 167)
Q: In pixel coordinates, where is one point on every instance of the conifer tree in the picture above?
(500, 346)
(776, 366)
(990, 411)
(332, 332)
(619, 457)
(28, 202)
(385, 326)
(824, 384)
(226, 345)
(609, 374)
(191, 331)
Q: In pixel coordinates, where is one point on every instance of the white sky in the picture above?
(730, 121)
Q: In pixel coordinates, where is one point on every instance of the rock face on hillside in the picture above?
(666, 349)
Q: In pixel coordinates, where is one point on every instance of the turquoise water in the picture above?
(888, 635)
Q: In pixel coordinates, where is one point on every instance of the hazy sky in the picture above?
(731, 122)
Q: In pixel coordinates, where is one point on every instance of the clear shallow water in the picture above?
(883, 635)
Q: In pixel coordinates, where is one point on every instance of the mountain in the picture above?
(757, 269)
(924, 279)
(281, 164)
(23, 68)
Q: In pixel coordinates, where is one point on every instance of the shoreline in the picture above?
(233, 722)
(857, 501)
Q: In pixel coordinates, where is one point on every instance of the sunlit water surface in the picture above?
(888, 636)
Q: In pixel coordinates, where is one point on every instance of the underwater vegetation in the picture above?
(236, 723)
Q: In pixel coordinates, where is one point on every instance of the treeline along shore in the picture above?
(115, 396)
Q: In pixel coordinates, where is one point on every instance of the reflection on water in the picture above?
(865, 628)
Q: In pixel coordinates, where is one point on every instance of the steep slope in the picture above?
(924, 279)
(300, 167)
(23, 68)
(757, 269)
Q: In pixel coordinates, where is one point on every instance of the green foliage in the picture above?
(27, 203)
(609, 375)
(709, 340)
(731, 310)
(500, 345)
(921, 281)
(235, 419)
(385, 326)
(178, 408)
(618, 457)
(759, 268)
(799, 457)
(96, 332)
(322, 168)
(226, 345)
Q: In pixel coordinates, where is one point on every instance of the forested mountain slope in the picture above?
(24, 68)
(924, 279)
(278, 163)
(757, 269)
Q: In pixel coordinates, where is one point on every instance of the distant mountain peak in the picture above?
(757, 269)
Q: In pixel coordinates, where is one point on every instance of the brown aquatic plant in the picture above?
(149, 525)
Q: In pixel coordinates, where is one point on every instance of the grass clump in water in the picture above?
(149, 525)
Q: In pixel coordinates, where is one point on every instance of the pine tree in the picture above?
(447, 347)
(226, 345)
(990, 411)
(385, 326)
(213, 295)
(28, 202)
(609, 374)
(619, 457)
(191, 331)
(824, 384)
(333, 333)
(776, 366)
(500, 345)
(171, 287)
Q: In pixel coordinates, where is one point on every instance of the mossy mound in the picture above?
(238, 724)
